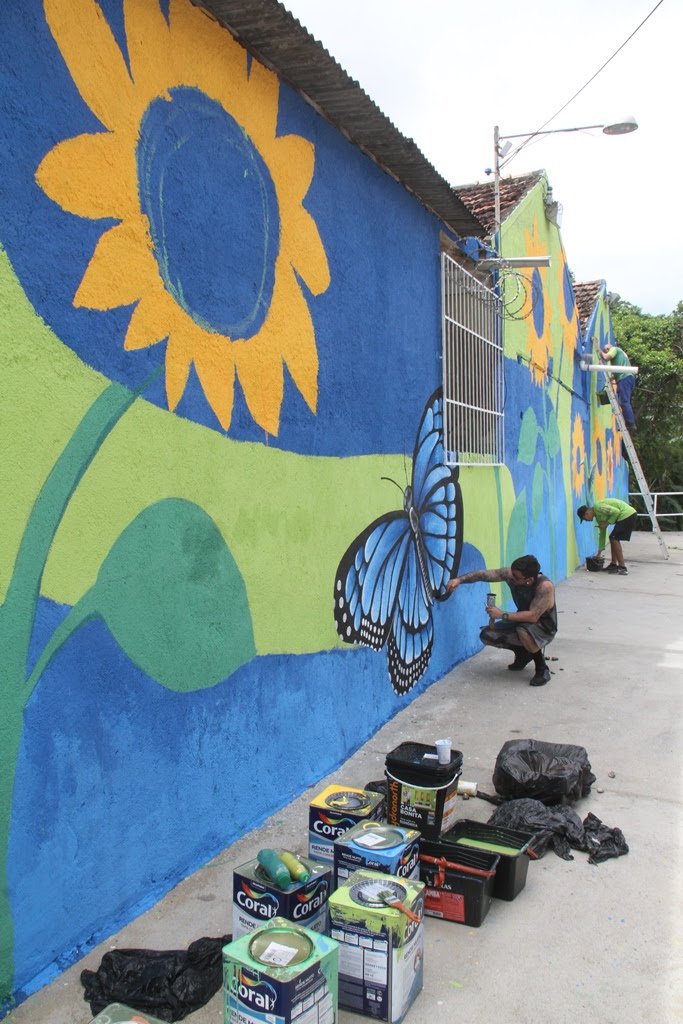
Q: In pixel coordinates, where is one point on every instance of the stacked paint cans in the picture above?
(333, 812)
(257, 899)
(370, 844)
(281, 973)
(378, 921)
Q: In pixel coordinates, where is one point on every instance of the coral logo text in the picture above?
(262, 904)
(408, 861)
(307, 903)
(253, 992)
(336, 827)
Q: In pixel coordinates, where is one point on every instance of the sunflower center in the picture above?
(212, 211)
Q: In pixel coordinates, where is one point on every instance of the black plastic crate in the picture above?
(514, 865)
(458, 882)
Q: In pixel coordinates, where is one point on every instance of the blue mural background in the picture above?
(372, 224)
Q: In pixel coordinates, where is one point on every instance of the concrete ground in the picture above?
(580, 943)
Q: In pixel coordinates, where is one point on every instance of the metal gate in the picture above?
(473, 371)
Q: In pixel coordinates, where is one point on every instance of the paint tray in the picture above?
(458, 881)
(509, 844)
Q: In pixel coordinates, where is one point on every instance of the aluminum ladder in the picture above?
(630, 447)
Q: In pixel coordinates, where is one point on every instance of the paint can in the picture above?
(256, 899)
(381, 948)
(281, 972)
(391, 849)
(422, 792)
(333, 812)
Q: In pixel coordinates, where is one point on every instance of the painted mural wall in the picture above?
(220, 352)
(562, 445)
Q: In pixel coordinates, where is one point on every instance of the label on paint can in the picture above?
(280, 947)
(380, 838)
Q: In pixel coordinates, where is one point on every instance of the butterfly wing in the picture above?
(433, 554)
(438, 501)
(412, 632)
(388, 578)
(368, 580)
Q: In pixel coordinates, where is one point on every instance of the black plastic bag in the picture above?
(603, 842)
(550, 772)
(558, 828)
(168, 984)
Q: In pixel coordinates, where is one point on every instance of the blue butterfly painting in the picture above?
(395, 569)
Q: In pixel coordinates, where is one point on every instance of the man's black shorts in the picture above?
(624, 528)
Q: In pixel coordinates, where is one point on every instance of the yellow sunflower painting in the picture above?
(578, 456)
(212, 246)
(599, 445)
(610, 460)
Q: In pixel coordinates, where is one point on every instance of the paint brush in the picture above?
(387, 897)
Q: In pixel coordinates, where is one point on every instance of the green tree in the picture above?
(655, 345)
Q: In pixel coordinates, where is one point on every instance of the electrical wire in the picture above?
(584, 86)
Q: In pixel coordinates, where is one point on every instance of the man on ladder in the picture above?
(626, 382)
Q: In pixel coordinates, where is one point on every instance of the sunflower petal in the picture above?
(292, 159)
(299, 238)
(149, 323)
(178, 360)
(92, 176)
(215, 365)
(98, 69)
(263, 93)
(296, 336)
(120, 263)
(205, 55)
(259, 369)
(147, 38)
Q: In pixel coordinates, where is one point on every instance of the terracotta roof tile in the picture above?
(479, 198)
(586, 295)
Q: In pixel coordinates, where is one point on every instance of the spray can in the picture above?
(490, 601)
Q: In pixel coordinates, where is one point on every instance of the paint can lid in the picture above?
(379, 837)
(280, 947)
(348, 800)
(377, 892)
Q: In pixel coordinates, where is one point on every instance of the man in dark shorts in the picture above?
(623, 516)
(532, 626)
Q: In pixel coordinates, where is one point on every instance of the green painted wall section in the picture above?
(152, 455)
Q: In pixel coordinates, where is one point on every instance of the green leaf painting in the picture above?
(517, 529)
(537, 493)
(553, 441)
(173, 598)
(528, 436)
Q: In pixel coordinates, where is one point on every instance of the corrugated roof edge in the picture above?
(278, 40)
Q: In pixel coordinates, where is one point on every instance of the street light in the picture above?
(500, 153)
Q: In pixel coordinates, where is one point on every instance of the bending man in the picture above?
(611, 512)
(532, 626)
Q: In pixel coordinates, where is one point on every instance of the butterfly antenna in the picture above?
(392, 482)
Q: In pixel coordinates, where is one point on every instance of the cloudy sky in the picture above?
(446, 71)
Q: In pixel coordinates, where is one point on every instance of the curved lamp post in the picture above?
(500, 153)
